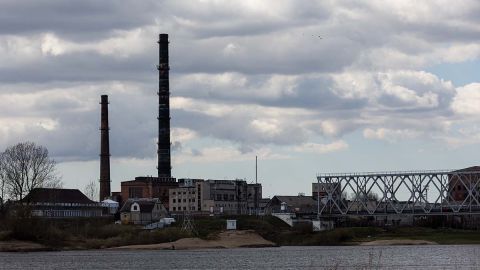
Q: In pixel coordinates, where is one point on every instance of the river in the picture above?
(336, 257)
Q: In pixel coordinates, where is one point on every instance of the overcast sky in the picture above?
(307, 86)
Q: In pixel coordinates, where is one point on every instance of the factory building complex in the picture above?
(146, 199)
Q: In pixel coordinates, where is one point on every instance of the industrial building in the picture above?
(148, 187)
(192, 195)
(459, 185)
(61, 203)
(229, 197)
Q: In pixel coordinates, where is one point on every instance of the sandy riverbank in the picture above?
(393, 242)
(228, 239)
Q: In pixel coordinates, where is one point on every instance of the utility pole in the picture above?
(188, 225)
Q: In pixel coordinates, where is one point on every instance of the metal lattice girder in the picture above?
(416, 193)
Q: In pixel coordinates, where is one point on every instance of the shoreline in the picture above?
(23, 246)
(397, 242)
(225, 240)
(200, 244)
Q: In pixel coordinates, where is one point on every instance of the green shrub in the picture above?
(5, 235)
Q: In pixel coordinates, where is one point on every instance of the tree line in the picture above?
(23, 167)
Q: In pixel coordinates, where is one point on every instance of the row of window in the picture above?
(184, 192)
(184, 200)
(65, 204)
(229, 205)
(184, 208)
(66, 213)
(225, 197)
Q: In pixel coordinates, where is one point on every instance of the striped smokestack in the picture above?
(164, 166)
(104, 151)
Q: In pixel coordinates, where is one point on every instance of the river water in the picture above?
(338, 257)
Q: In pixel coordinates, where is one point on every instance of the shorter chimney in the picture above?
(104, 151)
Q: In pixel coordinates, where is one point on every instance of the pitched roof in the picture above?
(146, 205)
(469, 169)
(56, 195)
(296, 200)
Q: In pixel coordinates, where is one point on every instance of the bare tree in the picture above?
(91, 190)
(26, 166)
(370, 196)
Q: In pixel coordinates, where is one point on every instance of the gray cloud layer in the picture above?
(246, 72)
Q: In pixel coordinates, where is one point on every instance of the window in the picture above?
(184, 200)
(174, 200)
(184, 208)
(174, 208)
(135, 192)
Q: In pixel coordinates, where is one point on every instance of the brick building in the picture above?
(148, 187)
(463, 180)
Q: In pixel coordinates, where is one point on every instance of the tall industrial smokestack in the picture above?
(164, 166)
(104, 151)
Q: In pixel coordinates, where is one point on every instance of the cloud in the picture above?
(254, 75)
(322, 148)
(467, 100)
(390, 135)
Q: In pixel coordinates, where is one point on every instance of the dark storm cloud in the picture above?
(209, 20)
(83, 66)
(77, 20)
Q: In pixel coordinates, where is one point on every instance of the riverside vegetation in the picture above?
(72, 234)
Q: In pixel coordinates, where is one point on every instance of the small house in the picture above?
(291, 204)
(142, 211)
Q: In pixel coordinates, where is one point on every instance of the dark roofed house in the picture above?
(61, 203)
(291, 204)
(142, 211)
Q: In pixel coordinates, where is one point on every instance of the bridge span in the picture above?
(438, 192)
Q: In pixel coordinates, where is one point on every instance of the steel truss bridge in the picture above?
(442, 192)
